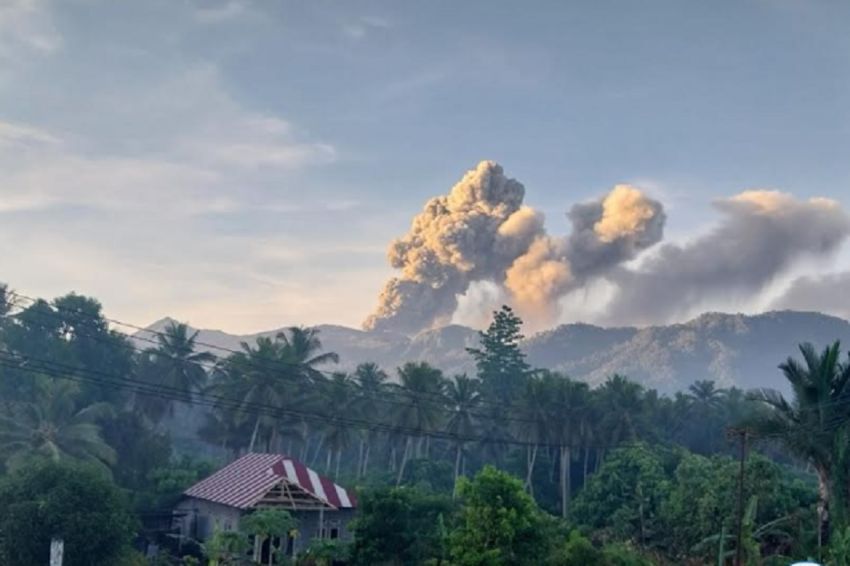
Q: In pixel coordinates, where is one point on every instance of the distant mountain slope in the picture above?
(731, 349)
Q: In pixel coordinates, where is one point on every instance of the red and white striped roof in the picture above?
(244, 482)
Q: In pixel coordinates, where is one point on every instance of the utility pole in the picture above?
(741, 434)
(57, 551)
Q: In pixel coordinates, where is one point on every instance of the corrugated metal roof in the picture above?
(244, 482)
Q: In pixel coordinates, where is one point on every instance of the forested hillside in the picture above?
(730, 349)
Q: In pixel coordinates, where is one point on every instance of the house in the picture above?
(321, 507)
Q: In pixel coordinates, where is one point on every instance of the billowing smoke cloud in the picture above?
(826, 294)
(481, 231)
(762, 234)
(605, 234)
(470, 234)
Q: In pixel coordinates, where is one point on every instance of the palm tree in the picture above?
(337, 400)
(705, 394)
(301, 347)
(253, 376)
(420, 385)
(705, 416)
(621, 403)
(371, 383)
(568, 403)
(807, 424)
(53, 425)
(532, 424)
(273, 374)
(177, 364)
(462, 397)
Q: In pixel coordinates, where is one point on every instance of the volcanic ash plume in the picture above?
(481, 231)
(473, 233)
(605, 233)
(762, 235)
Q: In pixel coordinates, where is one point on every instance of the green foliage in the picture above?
(500, 361)
(807, 425)
(139, 450)
(79, 505)
(498, 523)
(577, 551)
(167, 483)
(703, 496)
(839, 548)
(54, 425)
(621, 554)
(266, 523)
(624, 498)
(226, 548)
(325, 552)
(399, 526)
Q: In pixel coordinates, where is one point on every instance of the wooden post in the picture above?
(321, 522)
(57, 551)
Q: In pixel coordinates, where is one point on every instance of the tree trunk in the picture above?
(254, 435)
(338, 458)
(584, 465)
(823, 508)
(565, 480)
(458, 458)
(328, 461)
(366, 457)
(403, 461)
(360, 455)
(531, 458)
(318, 449)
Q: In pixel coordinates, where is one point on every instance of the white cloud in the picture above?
(362, 26)
(207, 14)
(24, 137)
(26, 26)
(183, 141)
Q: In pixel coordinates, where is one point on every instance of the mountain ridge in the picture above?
(731, 349)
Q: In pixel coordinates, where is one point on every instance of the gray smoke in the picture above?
(762, 234)
(481, 231)
(827, 294)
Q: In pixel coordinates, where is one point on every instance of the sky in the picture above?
(243, 165)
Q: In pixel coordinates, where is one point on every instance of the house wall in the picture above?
(335, 522)
(203, 518)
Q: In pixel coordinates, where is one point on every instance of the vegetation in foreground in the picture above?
(511, 466)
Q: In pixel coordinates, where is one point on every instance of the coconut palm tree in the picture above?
(705, 393)
(532, 423)
(301, 351)
(419, 410)
(176, 362)
(621, 402)
(568, 404)
(463, 396)
(371, 389)
(274, 374)
(337, 400)
(53, 425)
(807, 424)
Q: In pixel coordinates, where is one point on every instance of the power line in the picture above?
(283, 364)
(211, 367)
(64, 371)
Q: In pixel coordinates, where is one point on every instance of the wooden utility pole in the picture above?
(741, 434)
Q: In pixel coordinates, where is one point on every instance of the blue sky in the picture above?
(243, 165)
